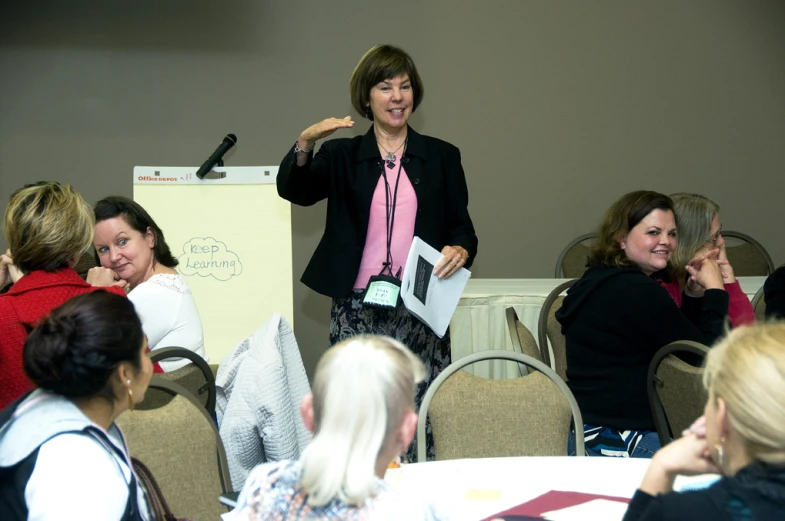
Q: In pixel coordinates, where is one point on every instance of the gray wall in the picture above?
(558, 106)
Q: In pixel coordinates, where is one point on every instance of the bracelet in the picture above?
(298, 149)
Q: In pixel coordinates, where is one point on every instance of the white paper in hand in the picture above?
(426, 296)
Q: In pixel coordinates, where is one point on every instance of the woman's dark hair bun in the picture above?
(74, 350)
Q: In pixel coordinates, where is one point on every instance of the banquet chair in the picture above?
(747, 256)
(197, 377)
(550, 329)
(675, 389)
(180, 444)
(759, 305)
(572, 260)
(473, 417)
(522, 339)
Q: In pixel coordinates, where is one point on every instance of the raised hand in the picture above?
(688, 456)
(321, 130)
(722, 259)
(698, 428)
(9, 273)
(707, 274)
(693, 288)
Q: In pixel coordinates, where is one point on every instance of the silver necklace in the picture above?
(390, 157)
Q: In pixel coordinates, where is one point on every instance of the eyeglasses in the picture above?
(713, 238)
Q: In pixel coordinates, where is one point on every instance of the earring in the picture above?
(130, 396)
(368, 113)
(720, 453)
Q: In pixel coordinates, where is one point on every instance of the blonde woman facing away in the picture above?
(741, 436)
(362, 414)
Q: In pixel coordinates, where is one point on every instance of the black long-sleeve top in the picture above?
(615, 319)
(755, 493)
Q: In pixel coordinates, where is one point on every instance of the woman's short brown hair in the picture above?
(621, 217)
(380, 63)
(47, 226)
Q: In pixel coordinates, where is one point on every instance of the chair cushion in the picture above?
(682, 393)
(557, 339)
(528, 343)
(178, 444)
(747, 260)
(189, 376)
(574, 262)
(474, 417)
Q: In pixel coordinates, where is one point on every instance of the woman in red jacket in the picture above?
(48, 226)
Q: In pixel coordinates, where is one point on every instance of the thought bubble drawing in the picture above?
(207, 257)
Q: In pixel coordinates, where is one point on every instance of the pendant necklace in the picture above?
(390, 157)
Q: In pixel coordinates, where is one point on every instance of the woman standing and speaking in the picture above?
(382, 189)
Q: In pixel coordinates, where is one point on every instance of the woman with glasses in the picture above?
(700, 237)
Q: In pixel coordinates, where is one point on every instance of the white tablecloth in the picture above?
(479, 321)
(472, 489)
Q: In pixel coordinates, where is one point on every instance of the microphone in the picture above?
(216, 158)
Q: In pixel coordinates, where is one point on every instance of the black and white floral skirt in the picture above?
(348, 317)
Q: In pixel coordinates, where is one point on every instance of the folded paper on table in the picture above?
(426, 296)
(556, 500)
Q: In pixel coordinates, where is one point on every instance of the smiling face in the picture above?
(391, 102)
(125, 250)
(651, 242)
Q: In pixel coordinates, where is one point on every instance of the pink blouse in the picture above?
(375, 251)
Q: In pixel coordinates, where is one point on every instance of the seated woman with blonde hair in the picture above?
(362, 414)
(48, 226)
(741, 436)
(700, 236)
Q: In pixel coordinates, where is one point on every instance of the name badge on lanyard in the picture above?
(384, 290)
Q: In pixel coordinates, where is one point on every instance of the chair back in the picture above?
(572, 260)
(473, 417)
(197, 377)
(759, 305)
(747, 256)
(522, 339)
(675, 389)
(179, 443)
(550, 330)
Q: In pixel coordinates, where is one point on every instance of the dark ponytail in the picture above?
(75, 350)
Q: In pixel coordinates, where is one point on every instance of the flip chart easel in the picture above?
(233, 239)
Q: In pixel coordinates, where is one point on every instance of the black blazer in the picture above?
(346, 171)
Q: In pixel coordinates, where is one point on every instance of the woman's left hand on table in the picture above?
(453, 258)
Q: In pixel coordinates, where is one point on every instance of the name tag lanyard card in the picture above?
(384, 290)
